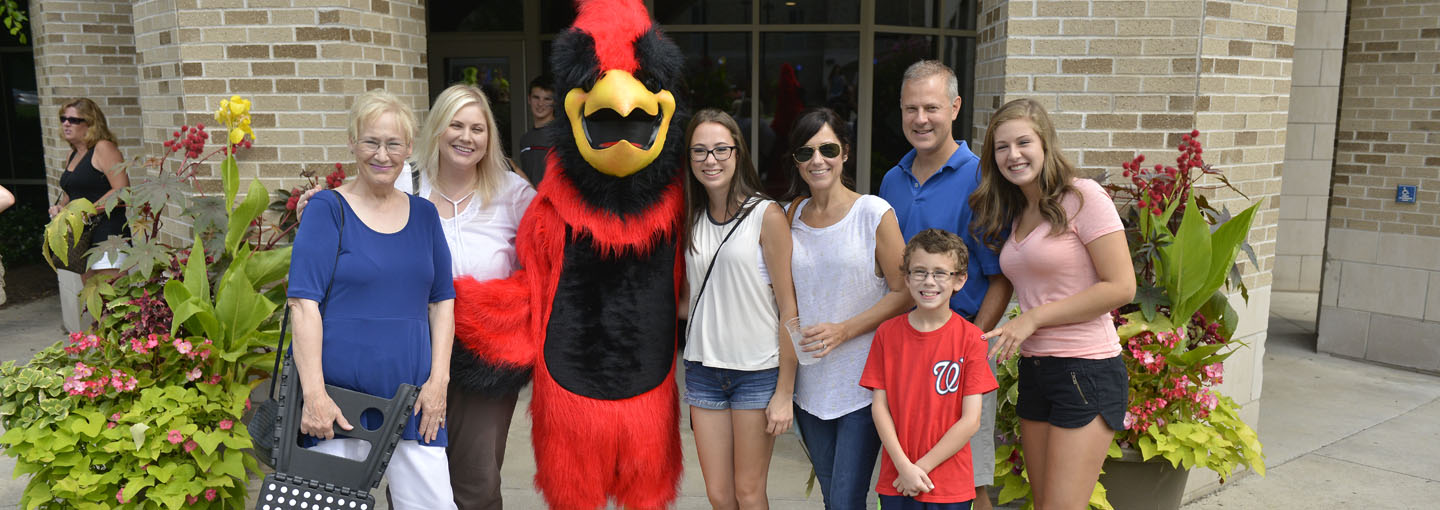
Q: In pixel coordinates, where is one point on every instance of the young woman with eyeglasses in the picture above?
(90, 173)
(739, 363)
(846, 265)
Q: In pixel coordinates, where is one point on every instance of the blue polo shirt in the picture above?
(943, 202)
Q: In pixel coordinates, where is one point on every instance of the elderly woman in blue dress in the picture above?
(373, 303)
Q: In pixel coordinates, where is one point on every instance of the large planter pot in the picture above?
(1135, 484)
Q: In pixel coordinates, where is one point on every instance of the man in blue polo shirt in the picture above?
(930, 188)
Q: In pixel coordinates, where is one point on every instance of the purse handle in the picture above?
(285, 320)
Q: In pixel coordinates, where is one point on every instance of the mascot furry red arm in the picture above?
(591, 316)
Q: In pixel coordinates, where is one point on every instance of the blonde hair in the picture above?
(492, 166)
(371, 105)
(997, 202)
(96, 128)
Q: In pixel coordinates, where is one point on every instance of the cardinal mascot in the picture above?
(590, 317)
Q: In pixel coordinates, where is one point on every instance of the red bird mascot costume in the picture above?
(590, 317)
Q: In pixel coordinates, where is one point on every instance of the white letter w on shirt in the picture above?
(947, 376)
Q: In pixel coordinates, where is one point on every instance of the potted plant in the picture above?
(143, 410)
(1174, 339)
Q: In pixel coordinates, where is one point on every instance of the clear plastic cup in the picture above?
(793, 327)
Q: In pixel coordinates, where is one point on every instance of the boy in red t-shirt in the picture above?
(928, 371)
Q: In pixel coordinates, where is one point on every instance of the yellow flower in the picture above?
(222, 115)
(238, 133)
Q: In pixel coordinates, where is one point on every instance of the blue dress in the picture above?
(376, 319)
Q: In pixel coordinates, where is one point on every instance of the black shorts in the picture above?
(1069, 392)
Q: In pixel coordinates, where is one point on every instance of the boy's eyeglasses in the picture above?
(72, 120)
(722, 153)
(942, 277)
(805, 152)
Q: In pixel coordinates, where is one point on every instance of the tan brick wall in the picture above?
(1304, 201)
(85, 49)
(1121, 77)
(1389, 129)
(300, 62)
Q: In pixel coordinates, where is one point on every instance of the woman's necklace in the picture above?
(455, 217)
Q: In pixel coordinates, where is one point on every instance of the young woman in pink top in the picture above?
(1062, 245)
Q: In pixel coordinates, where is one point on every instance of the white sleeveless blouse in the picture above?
(834, 271)
(735, 325)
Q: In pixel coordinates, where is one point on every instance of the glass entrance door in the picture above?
(496, 67)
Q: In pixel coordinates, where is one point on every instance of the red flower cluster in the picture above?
(1155, 187)
(193, 141)
(332, 180)
(336, 178)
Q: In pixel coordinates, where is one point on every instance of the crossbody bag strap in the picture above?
(285, 320)
(703, 281)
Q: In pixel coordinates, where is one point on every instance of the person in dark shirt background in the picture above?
(534, 145)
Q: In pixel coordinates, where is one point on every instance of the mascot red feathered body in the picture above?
(590, 317)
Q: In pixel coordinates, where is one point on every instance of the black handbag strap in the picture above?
(706, 280)
(285, 320)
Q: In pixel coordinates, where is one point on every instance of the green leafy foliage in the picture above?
(1175, 335)
(63, 231)
(144, 410)
(15, 20)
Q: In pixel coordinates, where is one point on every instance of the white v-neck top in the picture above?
(482, 236)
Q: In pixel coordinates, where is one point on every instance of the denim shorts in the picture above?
(1070, 392)
(723, 388)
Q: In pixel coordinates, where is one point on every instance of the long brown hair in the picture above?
(996, 202)
(96, 128)
(745, 183)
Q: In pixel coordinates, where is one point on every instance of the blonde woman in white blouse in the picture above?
(462, 169)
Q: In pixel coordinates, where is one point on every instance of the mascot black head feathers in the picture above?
(621, 124)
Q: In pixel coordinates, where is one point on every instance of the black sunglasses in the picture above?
(805, 152)
(72, 120)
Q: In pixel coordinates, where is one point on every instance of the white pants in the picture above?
(419, 475)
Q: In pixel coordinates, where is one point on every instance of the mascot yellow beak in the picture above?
(619, 125)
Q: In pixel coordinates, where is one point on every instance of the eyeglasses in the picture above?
(804, 153)
(941, 277)
(372, 146)
(72, 120)
(722, 153)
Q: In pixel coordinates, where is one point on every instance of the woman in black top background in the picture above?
(93, 154)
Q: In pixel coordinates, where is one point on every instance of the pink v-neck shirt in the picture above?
(1046, 268)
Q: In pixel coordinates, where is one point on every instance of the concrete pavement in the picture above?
(1337, 432)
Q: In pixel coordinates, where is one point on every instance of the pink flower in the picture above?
(215, 379)
(193, 374)
(175, 437)
(190, 499)
(182, 346)
(226, 424)
(1129, 420)
(110, 425)
(120, 495)
(115, 417)
(191, 445)
(82, 371)
(209, 494)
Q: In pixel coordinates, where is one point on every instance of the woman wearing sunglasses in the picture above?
(739, 364)
(847, 251)
(90, 173)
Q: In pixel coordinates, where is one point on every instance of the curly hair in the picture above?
(938, 242)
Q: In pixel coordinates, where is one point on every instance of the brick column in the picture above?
(300, 62)
(1125, 76)
(85, 49)
(1310, 147)
(1380, 294)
